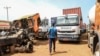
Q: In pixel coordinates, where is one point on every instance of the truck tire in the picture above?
(29, 47)
(88, 40)
(95, 43)
(1, 53)
(60, 41)
(12, 49)
(45, 36)
(96, 53)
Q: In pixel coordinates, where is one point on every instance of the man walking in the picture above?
(52, 35)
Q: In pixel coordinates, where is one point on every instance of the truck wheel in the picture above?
(95, 43)
(12, 49)
(45, 37)
(29, 47)
(96, 53)
(1, 53)
(60, 41)
(88, 38)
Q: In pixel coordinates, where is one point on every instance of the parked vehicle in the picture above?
(29, 26)
(19, 34)
(69, 25)
(8, 37)
(94, 29)
(43, 28)
(31, 22)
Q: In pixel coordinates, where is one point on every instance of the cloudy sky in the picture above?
(46, 8)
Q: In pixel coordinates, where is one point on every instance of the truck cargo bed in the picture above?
(11, 39)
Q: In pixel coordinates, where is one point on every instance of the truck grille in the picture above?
(66, 31)
(65, 35)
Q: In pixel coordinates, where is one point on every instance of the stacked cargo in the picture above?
(4, 24)
(76, 10)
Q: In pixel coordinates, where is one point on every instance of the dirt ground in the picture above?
(41, 48)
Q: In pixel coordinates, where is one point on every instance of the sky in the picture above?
(46, 8)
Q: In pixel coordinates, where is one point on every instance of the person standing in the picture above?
(52, 35)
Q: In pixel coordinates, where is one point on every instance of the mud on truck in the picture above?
(31, 23)
(19, 34)
(8, 37)
(30, 26)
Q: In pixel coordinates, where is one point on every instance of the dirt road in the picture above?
(62, 49)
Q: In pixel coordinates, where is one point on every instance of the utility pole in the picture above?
(7, 12)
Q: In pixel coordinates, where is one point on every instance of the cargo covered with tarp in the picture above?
(4, 24)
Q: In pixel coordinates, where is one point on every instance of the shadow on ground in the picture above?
(74, 42)
(41, 42)
(59, 52)
(8, 54)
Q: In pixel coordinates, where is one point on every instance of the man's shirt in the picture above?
(52, 32)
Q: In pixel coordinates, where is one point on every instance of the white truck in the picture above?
(69, 25)
(43, 28)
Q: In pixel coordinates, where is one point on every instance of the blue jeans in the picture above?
(52, 41)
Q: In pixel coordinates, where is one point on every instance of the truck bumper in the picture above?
(69, 37)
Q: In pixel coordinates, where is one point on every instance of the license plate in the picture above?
(65, 39)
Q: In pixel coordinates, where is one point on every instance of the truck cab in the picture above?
(43, 28)
(68, 27)
(30, 22)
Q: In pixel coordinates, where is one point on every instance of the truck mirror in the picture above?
(66, 18)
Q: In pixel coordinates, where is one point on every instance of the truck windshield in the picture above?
(44, 22)
(69, 20)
